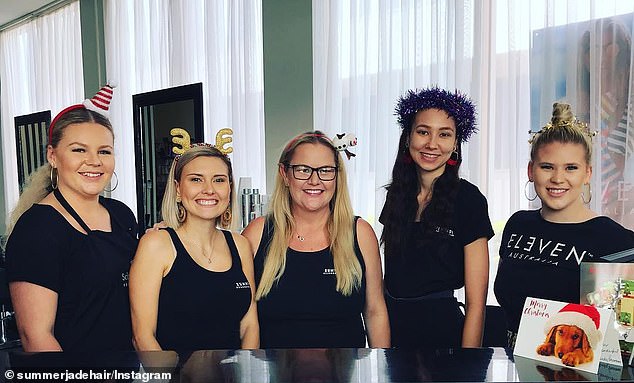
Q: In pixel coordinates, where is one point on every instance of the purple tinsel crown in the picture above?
(457, 105)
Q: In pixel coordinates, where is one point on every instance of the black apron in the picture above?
(99, 288)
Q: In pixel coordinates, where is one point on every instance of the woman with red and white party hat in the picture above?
(69, 249)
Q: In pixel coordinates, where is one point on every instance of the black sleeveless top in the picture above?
(201, 309)
(304, 309)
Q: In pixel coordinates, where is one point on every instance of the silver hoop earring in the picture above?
(115, 184)
(54, 181)
(526, 192)
(583, 194)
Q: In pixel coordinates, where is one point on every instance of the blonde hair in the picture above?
(39, 183)
(565, 128)
(340, 224)
(173, 212)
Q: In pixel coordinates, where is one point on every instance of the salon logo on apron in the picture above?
(242, 285)
(125, 276)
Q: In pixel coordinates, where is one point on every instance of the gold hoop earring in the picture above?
(225, 219)
(182, 213)
(526, 192)
(583, 194)
(56, 179)
(116, 183)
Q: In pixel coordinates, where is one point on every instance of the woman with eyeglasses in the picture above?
(317, 266)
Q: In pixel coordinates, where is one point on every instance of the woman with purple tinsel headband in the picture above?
(436, 227)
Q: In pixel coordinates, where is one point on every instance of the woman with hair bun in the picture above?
(541, 250)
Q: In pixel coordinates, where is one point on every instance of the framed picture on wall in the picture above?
(164, 122)
(31, 133)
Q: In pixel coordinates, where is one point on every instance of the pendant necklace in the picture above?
(213, 243)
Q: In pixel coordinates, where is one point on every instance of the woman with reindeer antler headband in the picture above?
(191, 284)
(69, 250)
(541, 250)
(317, 266)
(436, 226)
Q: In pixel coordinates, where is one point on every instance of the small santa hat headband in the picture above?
(99, 103)
(585, 317)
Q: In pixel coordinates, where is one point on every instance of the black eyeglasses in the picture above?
(304, 172)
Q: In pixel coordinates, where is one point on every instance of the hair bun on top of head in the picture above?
(457, 105)
(99, 103)
(563, 117)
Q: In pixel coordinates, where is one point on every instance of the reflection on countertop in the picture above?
(292, 365)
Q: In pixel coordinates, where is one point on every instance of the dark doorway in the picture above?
(164, 121)
(31, 131)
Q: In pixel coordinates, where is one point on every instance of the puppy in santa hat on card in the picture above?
(572, 333)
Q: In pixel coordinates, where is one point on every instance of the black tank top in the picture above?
(304, 309)
(201, 309)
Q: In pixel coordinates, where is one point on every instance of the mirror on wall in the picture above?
(165, 121)
(31, 131)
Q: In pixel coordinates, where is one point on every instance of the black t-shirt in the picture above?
(88, 272)
(201, 309)
(541, 259)
(432, 261)
(304, 308)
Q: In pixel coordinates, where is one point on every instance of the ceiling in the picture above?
(12, 9)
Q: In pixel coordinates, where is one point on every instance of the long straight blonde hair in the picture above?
(340, 224)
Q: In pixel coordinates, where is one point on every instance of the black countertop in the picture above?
(293, 365)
